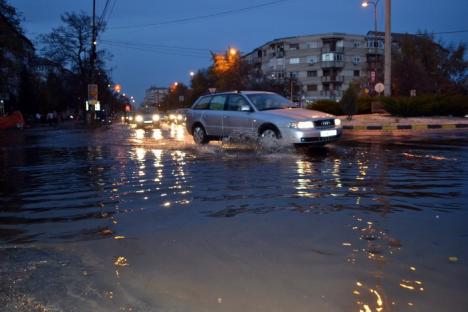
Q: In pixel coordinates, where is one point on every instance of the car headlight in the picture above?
(139, 118)
(179, 117)
(302, 124)
(155, 117)
(337, 122)
(171, 116)
(130, 118)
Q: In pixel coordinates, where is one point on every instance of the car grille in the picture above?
(324, 123)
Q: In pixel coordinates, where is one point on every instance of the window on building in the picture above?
(375, 44)
(293, 74)
(294, 46)
(328, 57)
(356, 73)
(280, 75)
(312, 59)
(356, 59)
(340, 43)
(313, 44)
(294, 60)
(311, 87)
(311, 73)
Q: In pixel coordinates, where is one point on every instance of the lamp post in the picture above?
(388, 49)
(375, 3)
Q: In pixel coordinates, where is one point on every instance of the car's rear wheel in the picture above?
(199, 135)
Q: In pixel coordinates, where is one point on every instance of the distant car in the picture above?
(177, 116)
(264, 114)
(147, 118)
(103, 118)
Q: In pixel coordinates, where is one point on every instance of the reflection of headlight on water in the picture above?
(157, 134)
(140, 133)
(139, 118)
(155, 117)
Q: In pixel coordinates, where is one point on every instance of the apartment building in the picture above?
(323, 65)
(154, 96)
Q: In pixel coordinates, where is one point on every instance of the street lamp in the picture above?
(232, 51)
(192, 74)
(365, 4)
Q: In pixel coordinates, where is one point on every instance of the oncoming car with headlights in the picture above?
(266, 115)
(147, 118)
(177, 116)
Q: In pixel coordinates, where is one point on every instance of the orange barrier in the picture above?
(15, 120)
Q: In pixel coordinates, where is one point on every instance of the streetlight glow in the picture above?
(232, 51)
(192, 74)
(365, 4)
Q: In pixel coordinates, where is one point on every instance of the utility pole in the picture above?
(388, 49)
(92, 95)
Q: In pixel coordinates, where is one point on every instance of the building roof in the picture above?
(323, 35)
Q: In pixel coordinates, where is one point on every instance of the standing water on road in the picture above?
(132, 220)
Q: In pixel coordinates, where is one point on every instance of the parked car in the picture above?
(266, 115)
(147, 118)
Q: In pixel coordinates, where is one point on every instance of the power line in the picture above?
(193, 18)
(111, 10)
(157, 51)
(104, 11)
(150, 45)
(450, 32)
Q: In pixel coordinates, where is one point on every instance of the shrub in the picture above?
(427, 106)
(327, 106)
(349, 100)
(364, 105)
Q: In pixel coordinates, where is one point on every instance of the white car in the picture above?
(265, 114)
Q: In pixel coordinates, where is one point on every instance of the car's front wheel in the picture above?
(199, 135)
(269, 137)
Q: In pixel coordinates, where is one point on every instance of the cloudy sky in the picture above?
(159, 42)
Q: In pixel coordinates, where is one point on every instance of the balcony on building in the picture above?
(334, 78)
(332, 94)
(332, 64)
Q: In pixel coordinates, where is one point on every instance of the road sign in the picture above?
(92, 93)
(379, 87)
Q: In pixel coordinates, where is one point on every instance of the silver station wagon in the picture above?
(266, 115)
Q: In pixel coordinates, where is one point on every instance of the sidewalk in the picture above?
(384, 124)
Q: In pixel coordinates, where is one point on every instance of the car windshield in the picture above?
(267, 101)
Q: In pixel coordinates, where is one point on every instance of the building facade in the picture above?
(322, 65)
(154, 96)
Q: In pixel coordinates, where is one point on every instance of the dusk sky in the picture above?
(165, 49)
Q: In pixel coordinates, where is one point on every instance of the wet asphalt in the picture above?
(119, 219)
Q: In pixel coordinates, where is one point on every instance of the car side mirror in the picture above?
(245, 108)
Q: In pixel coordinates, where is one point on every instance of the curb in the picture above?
(405, 127)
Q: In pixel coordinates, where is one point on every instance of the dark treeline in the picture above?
(55, 75)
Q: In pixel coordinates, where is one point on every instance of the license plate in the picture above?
(328, 133)
(147, 121)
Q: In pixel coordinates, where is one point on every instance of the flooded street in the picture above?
(131, 220)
